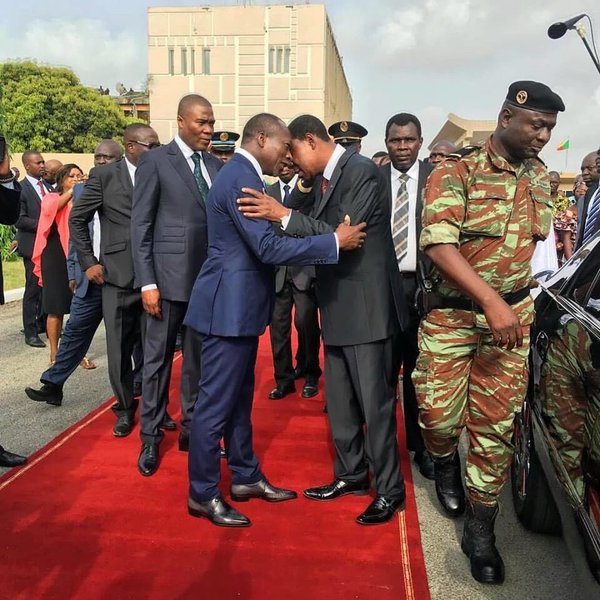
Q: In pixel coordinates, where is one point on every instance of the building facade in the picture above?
(245, 60)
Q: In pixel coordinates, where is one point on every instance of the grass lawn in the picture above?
(14, 275)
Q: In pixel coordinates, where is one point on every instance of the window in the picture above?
(279, 59)
(206, 61)
(192, 61)
(184, 69)
(171, 61)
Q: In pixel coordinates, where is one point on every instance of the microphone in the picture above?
(557, 30)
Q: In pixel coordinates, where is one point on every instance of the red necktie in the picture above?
(42, 188)
(324, 184)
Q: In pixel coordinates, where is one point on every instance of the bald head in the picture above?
(52, 168)
(589, 169)
(106, 152)
(440, 151)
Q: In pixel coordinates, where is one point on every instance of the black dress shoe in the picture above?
(310, 389)
(425, 463)
(184, 441)
(9, 459)
(218, 512)
(123, 426)
(242, 492)
(448, 485)
(281, 392)
(148, 460)
(35, 342)
(49, 393)
(381, 510)
(168, 424)
(338, 488)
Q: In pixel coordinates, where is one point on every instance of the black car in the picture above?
(556, 469)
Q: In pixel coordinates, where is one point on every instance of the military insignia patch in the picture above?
(521, 97)
(344, 126)
(224, 136)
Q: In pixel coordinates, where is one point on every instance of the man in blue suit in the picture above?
(231, 305)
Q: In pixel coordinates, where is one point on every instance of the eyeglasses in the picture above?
(150, 145)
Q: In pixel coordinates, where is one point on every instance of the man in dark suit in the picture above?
(588, 208)
(362, 306)
(9, 212)
(231, 306)
(86, 307)
(168, 231)
(109, 191)
(405, 178)
(33, 189)
(294, 289)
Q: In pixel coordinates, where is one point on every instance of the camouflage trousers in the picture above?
(464, 380)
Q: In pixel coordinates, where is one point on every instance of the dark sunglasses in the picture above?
(150, 145)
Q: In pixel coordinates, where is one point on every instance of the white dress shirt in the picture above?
(187, 153)
(35, 183)
(131, 169)
(291, 184)
(409, 262)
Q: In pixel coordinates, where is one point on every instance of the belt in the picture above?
(466, 304)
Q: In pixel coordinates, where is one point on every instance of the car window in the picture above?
(576, 277)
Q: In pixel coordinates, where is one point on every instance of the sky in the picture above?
(427, 57)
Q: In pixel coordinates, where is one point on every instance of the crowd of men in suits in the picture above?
(183, 248)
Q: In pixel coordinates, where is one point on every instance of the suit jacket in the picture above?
(82, 283)
(234, 293)
(302, 277)
(108, 191)
(361, 298)
(29, 216)
(168, 222)
(582, 210)
(9, 213)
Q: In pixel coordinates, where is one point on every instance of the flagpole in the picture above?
(566, 159)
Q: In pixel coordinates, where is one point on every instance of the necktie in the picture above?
(286, 194)
(200, 181)
(592, 218)
(324, 184)
(42, 188)
(400, 221)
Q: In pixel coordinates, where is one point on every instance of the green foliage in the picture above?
(48, 109)
(7, 235)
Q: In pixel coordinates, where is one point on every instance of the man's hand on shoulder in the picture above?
(95, 274)
(350, 236)
(258, 205)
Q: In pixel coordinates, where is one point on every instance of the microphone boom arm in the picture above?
(581, 32)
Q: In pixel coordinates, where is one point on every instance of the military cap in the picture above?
(224, 141)
(534, 96)
(347, 132)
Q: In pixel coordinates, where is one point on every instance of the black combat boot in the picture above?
(479, 543)
(448, 484)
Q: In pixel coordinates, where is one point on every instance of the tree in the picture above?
(49, 110)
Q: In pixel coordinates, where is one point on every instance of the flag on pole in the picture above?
(563, 145)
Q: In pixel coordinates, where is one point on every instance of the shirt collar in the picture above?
(33, 181)
(252, 160)
(130, 166)
(501, 163)
(333, 161)
(291, 183)
(185, 149)
(413, 172)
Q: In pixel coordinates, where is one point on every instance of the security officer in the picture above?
(347, 133)
(222, 144)
(483, 213)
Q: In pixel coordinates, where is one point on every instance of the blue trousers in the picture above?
(223, 410)
(84, 319)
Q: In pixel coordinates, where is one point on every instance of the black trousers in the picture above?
(306, 321)
(33, 319)
(159, 347)
(405, 354)
(359, 386)
(122, 309)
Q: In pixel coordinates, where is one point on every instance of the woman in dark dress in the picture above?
(51, 249)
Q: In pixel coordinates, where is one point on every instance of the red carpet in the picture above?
(80, 522)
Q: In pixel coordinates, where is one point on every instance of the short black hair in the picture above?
(379, 154)
(133, 129)
(261, 123)
(63, 173)
(29, 154)
(304, 124)
(553, 173)
(191, 100)
(402, 119)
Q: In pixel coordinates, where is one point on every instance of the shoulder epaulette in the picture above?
(462, 152)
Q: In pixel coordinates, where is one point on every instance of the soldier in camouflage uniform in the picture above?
(483, 213)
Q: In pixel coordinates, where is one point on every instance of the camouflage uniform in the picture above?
(493, 212)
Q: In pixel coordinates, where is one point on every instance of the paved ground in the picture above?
(538, 567)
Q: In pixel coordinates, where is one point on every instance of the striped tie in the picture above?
(400, 222)
(592, 218)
